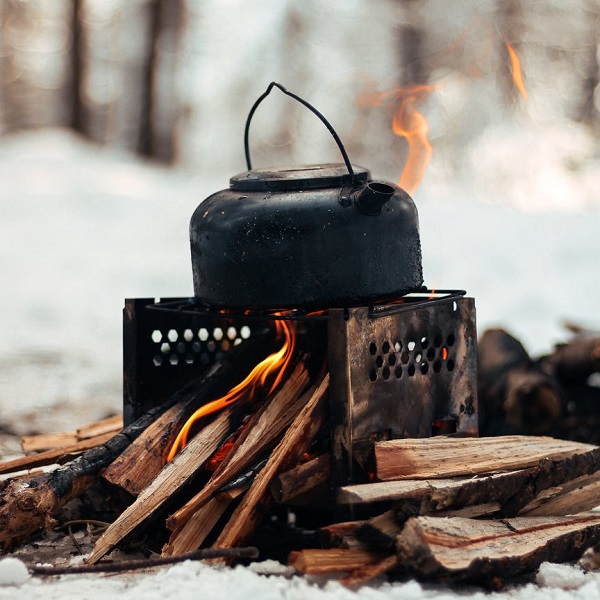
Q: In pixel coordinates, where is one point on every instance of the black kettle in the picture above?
(310, 236)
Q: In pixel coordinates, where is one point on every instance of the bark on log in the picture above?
(515, 394)
(575, 361)
(478, 550)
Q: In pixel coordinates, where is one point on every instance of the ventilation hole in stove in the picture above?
(225, 345)
(424, 342)
(444, 353)
(373, 375)
(174, 359)
(237, 342)
(385, 348)
(398, 346)
(392, 360)
(372, 348)
(203, 334)
(404, 358)
(188, 335)
(411, 345)
(450, 365)
(196, 347)
(205, 358)
(165, 348)
(245, 332)
(411, 370)
(189, 359)
(231, 333)
(386, 372)
(218, 334)
(424, 368)
(157, 336)
(398, 372)
(450, 339)
(418, 357)
(181, 347)
(158, 361)
(437, 366)
(379, 361)
(430, 353)
(172, 336)
(437, 341)
(211, 346)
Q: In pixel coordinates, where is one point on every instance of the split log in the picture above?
(294, 443)
(440, 456)
(369, 572)
(515, 394)
(335, 560)
(259, 436)
(477, 550)
(569, 498)
(135, 468)
(52, 441)
(335, 534)
(171, 479)
(302, 478)
(52, 457)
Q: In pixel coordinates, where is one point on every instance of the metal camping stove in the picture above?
(401, 369)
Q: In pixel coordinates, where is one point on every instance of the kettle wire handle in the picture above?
(310, 107)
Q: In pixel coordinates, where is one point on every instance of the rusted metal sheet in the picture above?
(401, 370)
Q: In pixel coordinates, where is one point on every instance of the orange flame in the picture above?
(275, 364)
(517, 71)
(409, 123)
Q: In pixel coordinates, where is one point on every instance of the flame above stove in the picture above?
(263, 379)
(408, 122)
(517, 71)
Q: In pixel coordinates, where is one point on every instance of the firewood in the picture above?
(571, 497)
(135, 468)
(51, 441)
(260, 435)
(334, 535)
(302, 478)
(317, 561)
(51, 457)
(515, 394)
(197, 528)
(172, 478)
(471, 549)
(509, 492)
(369, 572)
(295, 441)
(440, 457)
(27, 505)
(576, 360)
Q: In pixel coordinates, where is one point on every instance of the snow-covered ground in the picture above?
(81, 229)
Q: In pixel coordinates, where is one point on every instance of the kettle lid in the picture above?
(300, 177)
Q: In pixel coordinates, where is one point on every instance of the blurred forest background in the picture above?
(174, 79)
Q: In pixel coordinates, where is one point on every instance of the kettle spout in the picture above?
(373, 196)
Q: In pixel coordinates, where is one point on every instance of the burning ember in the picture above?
(408, 122)
(517, 71)
(273, 369)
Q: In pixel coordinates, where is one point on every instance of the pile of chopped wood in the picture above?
(479, 509)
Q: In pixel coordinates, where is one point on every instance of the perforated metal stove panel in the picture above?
(406, 370)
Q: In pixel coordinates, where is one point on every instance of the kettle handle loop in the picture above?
(310, 107)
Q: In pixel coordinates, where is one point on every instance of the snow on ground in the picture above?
(82, 228)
